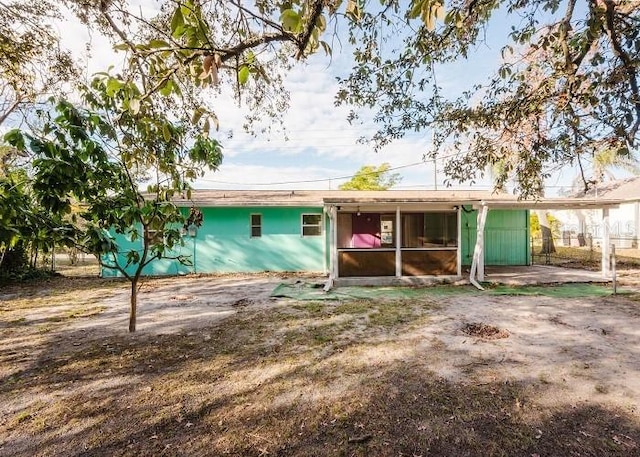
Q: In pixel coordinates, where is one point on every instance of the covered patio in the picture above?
(532, 274)
(393, 238)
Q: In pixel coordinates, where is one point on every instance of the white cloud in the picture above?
(322, 144)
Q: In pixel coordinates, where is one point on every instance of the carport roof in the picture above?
(550, 203)
(257, 198)
(623, 189)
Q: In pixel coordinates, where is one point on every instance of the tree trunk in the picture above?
(581, 228)
(134, 303)
(548, 246)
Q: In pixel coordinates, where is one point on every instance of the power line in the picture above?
(308, 181)
(311, 181)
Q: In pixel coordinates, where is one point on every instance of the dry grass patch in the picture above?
(57, 292)
(569, 256)
(348, 378)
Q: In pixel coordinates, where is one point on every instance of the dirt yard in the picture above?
(218, 367)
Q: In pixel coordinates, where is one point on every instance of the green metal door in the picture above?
(506, 237)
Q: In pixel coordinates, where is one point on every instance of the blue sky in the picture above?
(322, 148)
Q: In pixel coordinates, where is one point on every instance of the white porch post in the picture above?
(326, 260)
(605, 248)
(333, 247)
(477, 266)
(398, 251)
(334, 242)
(483, 220)
(636, 225)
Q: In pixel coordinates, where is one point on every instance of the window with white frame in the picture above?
(256, 225)
(311, 224)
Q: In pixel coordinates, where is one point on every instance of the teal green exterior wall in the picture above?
(506, 235)
(224, 244)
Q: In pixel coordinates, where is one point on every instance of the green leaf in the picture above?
(177, 24)
(15, 138)
(166, 133)
(321, 23)
(113, 86)
(243, 74)
(167, 88)
(507, 51)
(197, 115)
(416, 9)
(159, 44)
(290, 20)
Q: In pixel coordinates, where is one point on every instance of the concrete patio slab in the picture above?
(508, 275)
(541, 274)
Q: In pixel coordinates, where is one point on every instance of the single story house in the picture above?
(357, 234)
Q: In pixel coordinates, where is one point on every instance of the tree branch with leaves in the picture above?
(103, 154)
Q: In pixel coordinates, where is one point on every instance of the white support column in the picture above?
(326, 236)
(398, 246)
(605, 247)
(483, 220)
(636, 224)
(333, 247)
(334, 242)
(477, 266)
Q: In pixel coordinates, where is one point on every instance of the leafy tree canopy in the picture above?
(101, 154)
(566, 88)
(370, 177)
(33, 66)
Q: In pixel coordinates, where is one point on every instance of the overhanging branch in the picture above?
(628, 65)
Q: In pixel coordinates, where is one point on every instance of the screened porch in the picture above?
(400, 243)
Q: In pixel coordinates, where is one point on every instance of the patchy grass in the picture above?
(334, 378)
(584, 257)
(56, 292)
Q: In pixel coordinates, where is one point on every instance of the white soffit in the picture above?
(551, 203)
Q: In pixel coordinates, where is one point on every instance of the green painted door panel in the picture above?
(506, 237)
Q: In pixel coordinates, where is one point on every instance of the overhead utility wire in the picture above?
(322, 179)
(309, 180)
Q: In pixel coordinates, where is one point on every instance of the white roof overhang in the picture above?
(550, 204)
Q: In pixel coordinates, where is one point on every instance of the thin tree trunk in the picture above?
(581, 228)
(548, 246)
(134, 303)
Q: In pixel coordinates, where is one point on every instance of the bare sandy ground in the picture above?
(577, 351)
(173, 305)
(587, 348)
